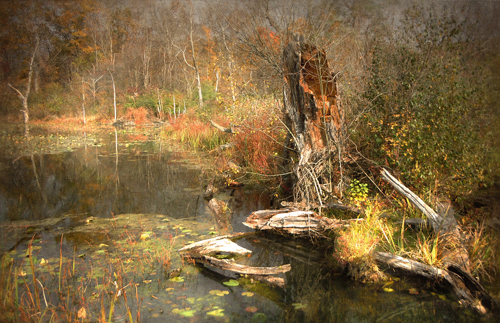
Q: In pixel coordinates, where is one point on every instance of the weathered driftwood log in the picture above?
(201, 252)
(196, 247)
(455, 257)
(306, 223)
(325, 207)
(242, 269)
(218, 246)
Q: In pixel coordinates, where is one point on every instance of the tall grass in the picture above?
(196, 134)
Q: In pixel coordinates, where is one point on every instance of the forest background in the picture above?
(418, 81)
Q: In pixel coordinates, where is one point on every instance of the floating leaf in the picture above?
(177, 279)
(217, 312)
(247, 294)
(145, 235)
(388, 290)
(218, 292)
(231, 282)
(147, 281)
(442, 297)
(413, 291)
(251, 309)
(43, 262)
(102, 245)
(187, 313)
(169, 289)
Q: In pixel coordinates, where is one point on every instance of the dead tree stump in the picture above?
(314, 121)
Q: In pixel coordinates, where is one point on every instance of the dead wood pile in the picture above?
(205, 252)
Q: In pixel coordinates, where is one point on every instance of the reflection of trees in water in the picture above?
(94, 182)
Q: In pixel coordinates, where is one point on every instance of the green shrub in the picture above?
(424, 117)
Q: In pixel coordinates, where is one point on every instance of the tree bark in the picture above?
(314, 120)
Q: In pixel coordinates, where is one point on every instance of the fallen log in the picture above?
(219, 246)
(221, 128)
(229, 265)
(455, 257)
(192, 247)
(201, 252)
(432, 273)
(325, 207)
(305, 223)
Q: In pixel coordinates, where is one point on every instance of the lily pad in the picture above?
(187, 312)
(231, 283)
(177, 279)
(218, 312)
(247, 294)
(218, 292)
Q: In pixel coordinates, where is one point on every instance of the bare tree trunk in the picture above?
(230, 67)
(314, 119)
(195, 64)
(83, 102)
(146, 62)
(24, 97)
(114, 92)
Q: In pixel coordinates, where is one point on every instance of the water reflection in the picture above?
(100, 181)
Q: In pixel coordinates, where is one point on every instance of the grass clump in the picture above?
(356, 244)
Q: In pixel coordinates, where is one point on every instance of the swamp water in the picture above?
(90, 224)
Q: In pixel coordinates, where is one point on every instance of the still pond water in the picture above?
(98, 217)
